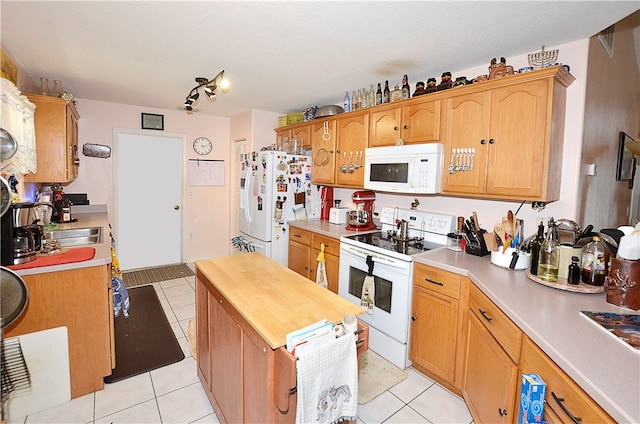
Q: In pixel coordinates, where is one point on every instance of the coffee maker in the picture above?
(362, 218)
(18, 243)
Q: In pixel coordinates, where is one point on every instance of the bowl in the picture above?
(328, 110)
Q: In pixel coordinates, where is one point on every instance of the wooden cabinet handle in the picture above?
(484, 315)
(560, 401)
(297, 235)
(437, 283)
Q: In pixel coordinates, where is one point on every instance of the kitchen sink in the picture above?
(75, 236)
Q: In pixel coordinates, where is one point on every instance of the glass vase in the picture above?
(57, 88)
(44, 86)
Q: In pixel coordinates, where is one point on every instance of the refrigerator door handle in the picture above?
(247, 190)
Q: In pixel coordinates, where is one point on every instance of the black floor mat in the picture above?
(145, 340)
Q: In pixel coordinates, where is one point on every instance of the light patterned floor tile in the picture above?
(380, 408)
(407, 416)
(123, 394)
(441, 406)
(185, 405)
(79, 410)
(174, 376)
(146, 412)
(412, 386)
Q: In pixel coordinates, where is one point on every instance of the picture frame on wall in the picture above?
(626, 165)
(151, 121)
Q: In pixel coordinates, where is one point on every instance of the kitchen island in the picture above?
(246, 304)
(78, 296)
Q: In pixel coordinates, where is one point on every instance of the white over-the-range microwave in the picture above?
(413, 168)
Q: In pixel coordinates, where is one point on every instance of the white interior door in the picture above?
(148, 199)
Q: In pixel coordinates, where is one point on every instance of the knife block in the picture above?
(477, 246)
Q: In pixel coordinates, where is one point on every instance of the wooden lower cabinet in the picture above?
(80, 299)
(435, 320)
(304, 248)
(490, 376)
(566, 401)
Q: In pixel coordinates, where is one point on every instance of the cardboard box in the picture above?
(532, 399)
(294, 118)
(282, 121)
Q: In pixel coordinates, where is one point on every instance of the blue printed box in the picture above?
(532, 399)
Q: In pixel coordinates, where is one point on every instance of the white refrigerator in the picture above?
(275, 188)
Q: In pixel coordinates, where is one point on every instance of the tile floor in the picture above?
(173, 394)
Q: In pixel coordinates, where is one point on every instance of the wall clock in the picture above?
(202, 146)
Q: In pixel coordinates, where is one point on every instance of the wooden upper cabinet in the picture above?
(323, 149)
(418, 121)
(301, 131)
(508, 137)
(352, 131)
(56, 126)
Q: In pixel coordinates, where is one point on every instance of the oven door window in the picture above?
(390, 172)
(382, 288)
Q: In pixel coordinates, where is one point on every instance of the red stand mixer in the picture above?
(362, 218)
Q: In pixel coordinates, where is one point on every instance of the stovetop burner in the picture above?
(379, 239)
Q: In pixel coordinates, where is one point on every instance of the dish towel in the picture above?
(321, 274)
(327, 381)
(367, 301)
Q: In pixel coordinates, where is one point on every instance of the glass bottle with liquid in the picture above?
(549, 254)
(594, 262)
(386, 95)
(535, 249)
(379, 95)
(406, 90)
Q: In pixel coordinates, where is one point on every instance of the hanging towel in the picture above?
(367, 299)
(120, 298)
(321, 274)
(327, 382)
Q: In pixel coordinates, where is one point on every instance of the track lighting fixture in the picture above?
(209, 87)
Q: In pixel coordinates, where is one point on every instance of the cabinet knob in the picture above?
(176, 207)
(395, 128)
(483, 141)
(413, 318)
(491, 141)
(406, 127)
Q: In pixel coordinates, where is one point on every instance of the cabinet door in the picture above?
(226, 361)
(323, 149)
(384, 127)
(352, 134)
(518, 157)
(72, 145)
(490, 376)
(421, 122)
(433, 333)
(303, 134)
(299, 258)
(467, 120)
(202, 331)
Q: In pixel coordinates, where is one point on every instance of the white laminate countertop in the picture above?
(326, 228)
(605, 368)
(93, 216)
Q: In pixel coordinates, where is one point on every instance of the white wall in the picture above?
(490, 212)
(206, 230)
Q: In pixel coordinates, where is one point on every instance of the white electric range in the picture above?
(389, 258)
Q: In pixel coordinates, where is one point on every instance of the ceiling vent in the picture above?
(606, 40)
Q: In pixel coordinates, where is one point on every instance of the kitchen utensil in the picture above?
(507, 226)
(512, 224)
(344, 166)
(8, 145)
(499, 231)
(476, 222)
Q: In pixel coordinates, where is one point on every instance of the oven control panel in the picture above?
(420, 223)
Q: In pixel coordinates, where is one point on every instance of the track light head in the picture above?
(209, 87)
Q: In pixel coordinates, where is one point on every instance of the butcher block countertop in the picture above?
(272, 298)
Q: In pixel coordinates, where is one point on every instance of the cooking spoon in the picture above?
(351, 167)
(512, 227)
(343, 167)
(498, 230)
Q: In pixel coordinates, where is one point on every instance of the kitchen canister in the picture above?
(623, 283)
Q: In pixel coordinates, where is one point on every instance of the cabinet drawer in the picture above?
(332, 245)
(437, 280)
(564, 396)
(299, 235)
(501, 327)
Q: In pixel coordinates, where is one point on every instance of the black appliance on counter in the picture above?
(18, 243)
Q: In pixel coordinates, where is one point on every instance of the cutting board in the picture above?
(46, 354)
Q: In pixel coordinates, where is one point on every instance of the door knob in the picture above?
(176, 207)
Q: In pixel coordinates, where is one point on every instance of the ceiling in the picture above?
(278, 56)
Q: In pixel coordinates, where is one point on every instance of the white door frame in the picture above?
(116, 133)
